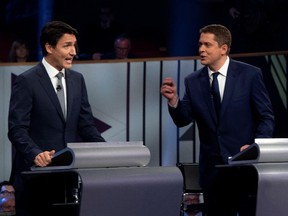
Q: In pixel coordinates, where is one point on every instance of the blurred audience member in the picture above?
(192, 204)
(7, 198)
(256, 22)
(122, 47)
(19, 51)
(6, 189)
(100, 38)
(7, 204)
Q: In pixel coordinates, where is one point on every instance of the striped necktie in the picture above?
(60, 92)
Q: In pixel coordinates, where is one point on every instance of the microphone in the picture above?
(58, 88)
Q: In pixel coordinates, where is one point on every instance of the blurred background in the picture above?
(156, 28)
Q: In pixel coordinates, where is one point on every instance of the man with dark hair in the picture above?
(7, 198)
(6, 188)
(230, 104)
(49, 107)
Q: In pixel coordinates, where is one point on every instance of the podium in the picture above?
(264, 170)
(105, 179)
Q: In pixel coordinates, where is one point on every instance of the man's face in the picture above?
(211, 54)
(7, 190)
(61, 56)
(122, 48)
(8, 204)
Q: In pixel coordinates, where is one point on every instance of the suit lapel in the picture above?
(69, 91)
(47, 85)
(205, 89)
(229, 87)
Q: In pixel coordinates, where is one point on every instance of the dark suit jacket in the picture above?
(36, 121)
(246, 114)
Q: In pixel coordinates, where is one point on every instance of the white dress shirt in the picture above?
(52, 72)
(221, 77)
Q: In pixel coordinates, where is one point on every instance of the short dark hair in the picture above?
(53, 31)
(4, 183)
(222, 34)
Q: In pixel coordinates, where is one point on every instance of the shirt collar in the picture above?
(223, 70)
(52, 71)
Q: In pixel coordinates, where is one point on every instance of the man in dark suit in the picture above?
(245, 114)
(38, 125)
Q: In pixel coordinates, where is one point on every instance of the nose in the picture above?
(201, 48)
(73, 51)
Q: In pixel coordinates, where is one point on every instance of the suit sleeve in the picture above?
(182, 115)
(19, 120)
(263, 108)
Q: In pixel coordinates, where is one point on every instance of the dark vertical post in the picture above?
(45, 11)
(185, 22)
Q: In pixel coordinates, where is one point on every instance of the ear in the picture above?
(224, 48)
(48, 48)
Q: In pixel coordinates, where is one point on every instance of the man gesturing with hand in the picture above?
(243, 113)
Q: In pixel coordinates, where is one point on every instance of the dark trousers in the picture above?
(232, 193)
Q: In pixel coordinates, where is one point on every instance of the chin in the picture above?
(203, 62)
(67, 66)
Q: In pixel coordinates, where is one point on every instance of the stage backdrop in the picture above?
(127, 104)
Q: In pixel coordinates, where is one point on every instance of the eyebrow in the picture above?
(69, 42)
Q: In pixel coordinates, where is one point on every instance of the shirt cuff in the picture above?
(174, 106)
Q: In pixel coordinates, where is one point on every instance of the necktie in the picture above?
(60, 92)
(215, 93)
